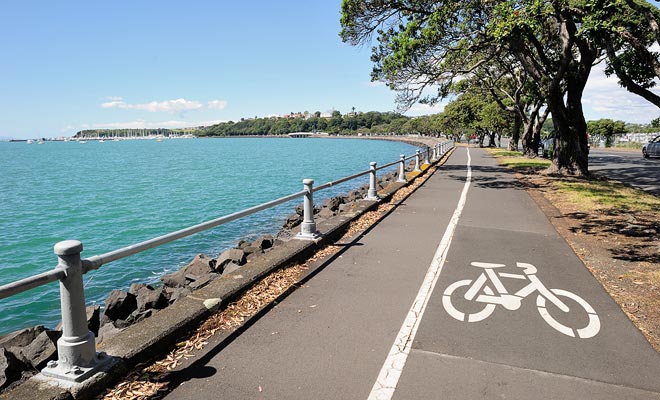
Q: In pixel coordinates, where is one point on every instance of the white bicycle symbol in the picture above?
(480, 291)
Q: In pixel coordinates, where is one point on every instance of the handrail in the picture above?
(31, 282)
(96, 262)
(76, 348)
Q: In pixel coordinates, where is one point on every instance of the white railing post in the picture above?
(435, 152)
(427, 155)
(417, 157)
(402, 169)
(372, 194)
(76, 349)
(308, 227)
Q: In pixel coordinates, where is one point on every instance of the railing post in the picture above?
(435, 152)
(308, 227)
(402, 169)
(76, 349)
(372, 194)
(417, 157)
(427, 155)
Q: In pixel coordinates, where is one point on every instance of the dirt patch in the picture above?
(619, 243)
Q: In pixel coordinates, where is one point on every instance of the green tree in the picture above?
(606, 129)
(425, 44)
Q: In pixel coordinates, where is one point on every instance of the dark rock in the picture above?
(333, 203)
(93, 318)
(42, 349)
(231, 267)
(135, 317)
(174, 294)
(249, 250)
(202, 281)
(10, 368)
(199, 266)
(21, 338)
(300, 209)
(292, 221)
(175, 279)
(236, 256)
(264, 242)
(119, 305)
(148, 298)
(106, 332)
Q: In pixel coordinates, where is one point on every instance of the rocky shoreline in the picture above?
(23, 353)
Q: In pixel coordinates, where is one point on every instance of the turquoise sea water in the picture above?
(114, 194)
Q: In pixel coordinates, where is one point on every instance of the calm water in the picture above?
(113, 194)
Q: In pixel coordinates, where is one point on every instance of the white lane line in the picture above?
(391, 371)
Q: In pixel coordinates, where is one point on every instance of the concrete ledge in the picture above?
(154, 336)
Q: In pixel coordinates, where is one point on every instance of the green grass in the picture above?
(515, 160)
(598, 194)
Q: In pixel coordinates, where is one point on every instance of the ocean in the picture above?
(113, 194)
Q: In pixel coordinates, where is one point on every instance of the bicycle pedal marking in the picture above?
(480, 290)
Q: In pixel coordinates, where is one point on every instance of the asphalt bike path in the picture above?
(423, 307)
(487, 344)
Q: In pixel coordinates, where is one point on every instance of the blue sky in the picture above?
(73, 65)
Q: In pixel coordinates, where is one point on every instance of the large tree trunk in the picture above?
(515, 135)
(530, 143)
(571, 148)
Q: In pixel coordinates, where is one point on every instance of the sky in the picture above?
(73, 65)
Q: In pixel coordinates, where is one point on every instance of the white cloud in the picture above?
(156, 106)
(604, 98)
(142, 124)
(114, 98)
(425, 109)
(374, 84)
(216, 104)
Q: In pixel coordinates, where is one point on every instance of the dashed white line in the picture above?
(389, 375)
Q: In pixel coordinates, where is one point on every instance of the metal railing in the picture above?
(77, 356)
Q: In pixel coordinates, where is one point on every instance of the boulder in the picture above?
(292, 221)
(10, 368)
(106, 332)
(175, 279)
(231, 267)
(147, 297)
(333, 203)
(199, 266)
(135, 317)
(174, 294)
(264, 242)
(22, 337)
(202, 281)
(236, 256)
(119, 305)
(42, 349)
(249, 250)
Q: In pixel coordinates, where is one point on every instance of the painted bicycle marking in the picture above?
(489, 290)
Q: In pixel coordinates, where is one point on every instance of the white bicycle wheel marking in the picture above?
(480, 291)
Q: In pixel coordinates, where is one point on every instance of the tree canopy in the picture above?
(421, 48)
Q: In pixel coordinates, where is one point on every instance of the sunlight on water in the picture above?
(114, 194)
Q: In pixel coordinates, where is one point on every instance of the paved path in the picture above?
(333, 338)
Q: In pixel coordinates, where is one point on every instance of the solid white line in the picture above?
(389, 375)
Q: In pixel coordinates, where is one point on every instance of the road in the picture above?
(420, 307)
(627, 167)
